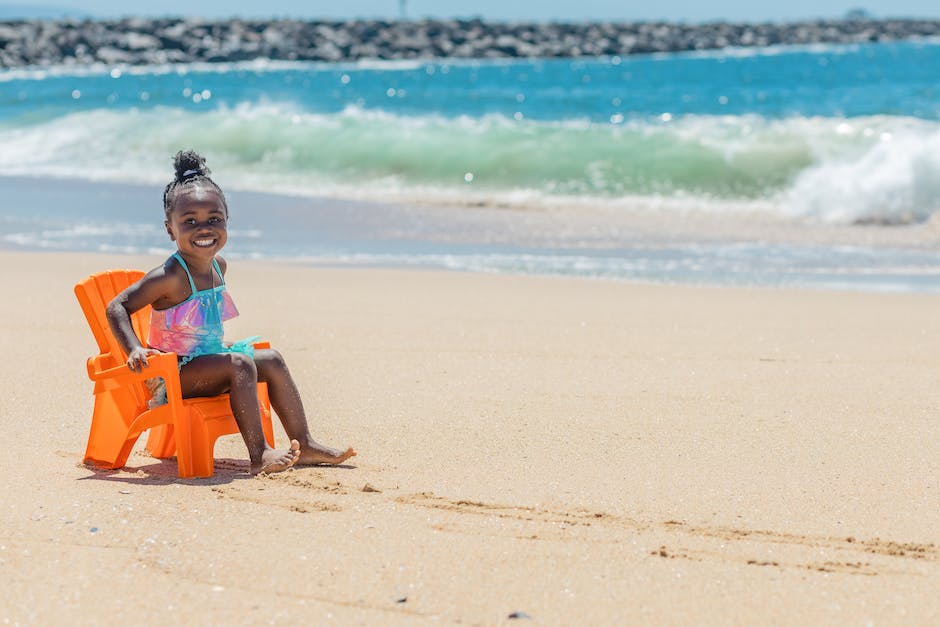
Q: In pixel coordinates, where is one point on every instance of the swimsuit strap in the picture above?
(192, 284)
(218, 270)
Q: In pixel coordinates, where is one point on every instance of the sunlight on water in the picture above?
(821, 135)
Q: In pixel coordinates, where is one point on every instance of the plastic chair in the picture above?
(188, 427)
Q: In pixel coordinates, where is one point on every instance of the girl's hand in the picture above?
(137, 360)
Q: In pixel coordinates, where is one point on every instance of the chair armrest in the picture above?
(160, 365)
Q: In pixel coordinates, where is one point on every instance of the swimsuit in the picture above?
(194, 327)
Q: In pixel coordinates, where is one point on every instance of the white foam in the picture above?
(260, 65)
(877, 168)
(97, 69)
(894, 178)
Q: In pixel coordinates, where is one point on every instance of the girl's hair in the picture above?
(190, 168)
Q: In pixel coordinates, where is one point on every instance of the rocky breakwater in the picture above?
(157, 41)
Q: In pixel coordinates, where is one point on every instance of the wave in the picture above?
(874, 169)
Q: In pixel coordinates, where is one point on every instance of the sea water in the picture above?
(678, 167)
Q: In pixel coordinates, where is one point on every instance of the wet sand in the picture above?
(579, 451)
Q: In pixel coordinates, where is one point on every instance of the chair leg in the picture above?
(183, 432)
(109, 443)
(161, 442)
(203, 448)
(196, 430)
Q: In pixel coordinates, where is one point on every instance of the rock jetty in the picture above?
(138, 41)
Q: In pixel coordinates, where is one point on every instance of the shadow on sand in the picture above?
(163, 471)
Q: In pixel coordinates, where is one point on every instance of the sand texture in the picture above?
(580, 452)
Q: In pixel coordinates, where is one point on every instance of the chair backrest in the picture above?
(117, 404)
(94, 293)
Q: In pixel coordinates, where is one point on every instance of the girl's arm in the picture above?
(149, 289)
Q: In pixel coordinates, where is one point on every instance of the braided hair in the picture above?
(190, 168)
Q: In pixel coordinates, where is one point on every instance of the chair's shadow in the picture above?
(164, 471)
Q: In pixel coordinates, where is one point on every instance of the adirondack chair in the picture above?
(188, 427)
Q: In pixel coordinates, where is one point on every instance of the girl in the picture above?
(190, 303)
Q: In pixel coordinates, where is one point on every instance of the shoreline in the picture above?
(585, 241)
(154, 258)
(617, 452)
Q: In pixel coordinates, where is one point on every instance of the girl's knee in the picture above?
(268, 355)
(243, 369)
(269, 361)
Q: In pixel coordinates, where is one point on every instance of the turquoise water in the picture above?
(824, 136)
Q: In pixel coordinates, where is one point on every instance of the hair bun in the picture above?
(188, 164)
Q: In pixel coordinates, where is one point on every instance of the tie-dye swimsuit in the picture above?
(194, 327)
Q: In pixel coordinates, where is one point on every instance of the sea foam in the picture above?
(873, 169)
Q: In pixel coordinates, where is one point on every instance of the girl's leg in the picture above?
(211, 375)
(286, 401)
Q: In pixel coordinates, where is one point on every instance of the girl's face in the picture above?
(197, 222)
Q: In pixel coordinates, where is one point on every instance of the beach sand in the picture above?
(582, 452)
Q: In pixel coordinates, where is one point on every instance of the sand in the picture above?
(581, 452)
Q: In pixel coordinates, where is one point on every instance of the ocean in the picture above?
(793, 166)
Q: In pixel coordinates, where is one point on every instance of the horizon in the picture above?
(489, 10)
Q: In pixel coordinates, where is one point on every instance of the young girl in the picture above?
(190, 303)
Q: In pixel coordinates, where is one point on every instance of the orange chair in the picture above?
(189, 426)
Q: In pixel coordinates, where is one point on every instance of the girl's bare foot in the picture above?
(277, 461)
(315, 453)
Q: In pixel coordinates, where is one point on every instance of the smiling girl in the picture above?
(189, 304)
